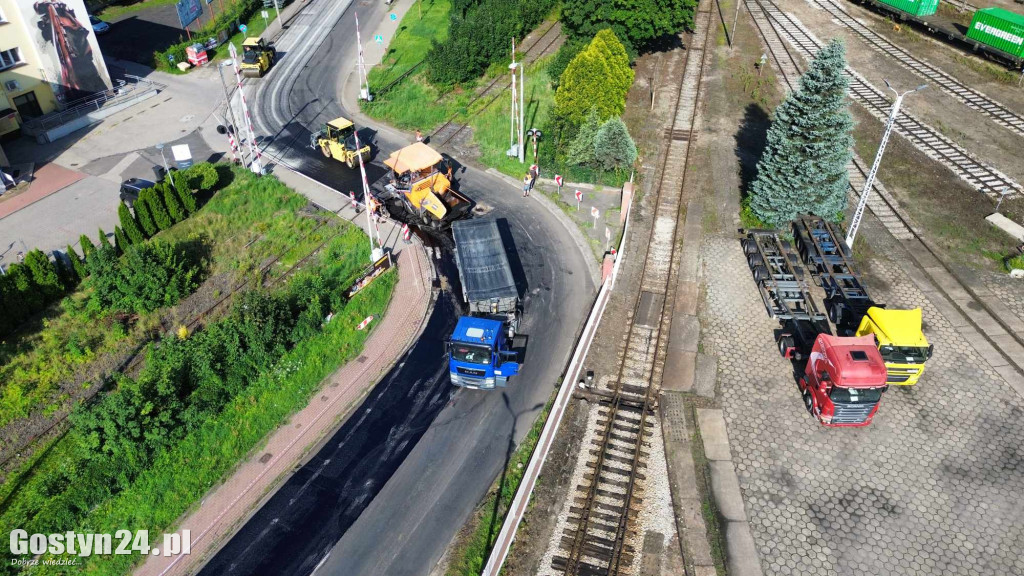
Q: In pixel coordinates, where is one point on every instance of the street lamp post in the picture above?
(859, 213)
(535, 135)
(167, 172)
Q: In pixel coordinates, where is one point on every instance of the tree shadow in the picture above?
(751, 140)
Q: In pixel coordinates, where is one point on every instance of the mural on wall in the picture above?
(67, 46)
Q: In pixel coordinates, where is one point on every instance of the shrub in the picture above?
(44, 275)
(151, 197)
(129, 225)
(147, 277)
(202, 177)
(104, 241)
(639, 23)
(613, 148)
(145, 217)
(565, 54)
(173, 204)
(1015, 262)
(76, 263)
(581, 151)
(88, 248)
(121, 241)
(593, 80)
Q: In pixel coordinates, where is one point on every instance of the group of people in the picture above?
(530, 179)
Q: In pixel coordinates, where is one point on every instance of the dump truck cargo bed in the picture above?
(487, 282)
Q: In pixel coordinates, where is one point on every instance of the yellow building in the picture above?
(49, 57)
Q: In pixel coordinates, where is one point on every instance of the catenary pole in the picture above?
(858, 215)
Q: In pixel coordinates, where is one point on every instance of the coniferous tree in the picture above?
(129, 225)
(151, 196)
(44, 275)
(68, 277)
(144, 217)
(803, 168)
(613, 147)
(593, 81)
(581, 150)
(77, 264)
(173, 204)
(104, 241)
(121, 242)
(187, 197)
(88, 248)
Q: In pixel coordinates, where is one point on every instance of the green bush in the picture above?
(581, 150)
(565, 54)
(130, 226)
(202, 177)
(76, 263)
(1015, 262)
(151, 197)
(88, 248)
(44, 275)
(145, 217)
(173, 204)
(147, 277)
(613, 147)
(598, 78)
(104, 241)
(121, 241)
(641, 24)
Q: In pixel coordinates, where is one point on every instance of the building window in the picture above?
(10, 58)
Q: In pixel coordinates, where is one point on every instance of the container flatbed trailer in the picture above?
(944, 27)
(786, 296)
(826, 255)
(488, 286)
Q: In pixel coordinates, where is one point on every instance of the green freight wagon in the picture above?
(914, 7)
(1000, 29)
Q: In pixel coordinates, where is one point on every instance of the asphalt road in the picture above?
(389, 490)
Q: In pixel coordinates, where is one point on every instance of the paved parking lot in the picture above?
(931, 487)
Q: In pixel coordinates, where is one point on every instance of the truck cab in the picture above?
(844, 380)
(899, 338)
(479, 356)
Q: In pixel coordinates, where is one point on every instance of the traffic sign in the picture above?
(394, 16)
(265, 14)
(579, 196)
(595, 212)
(379, 38)
(243, 28)
(558, 180)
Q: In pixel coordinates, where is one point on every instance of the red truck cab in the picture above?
(844, 380)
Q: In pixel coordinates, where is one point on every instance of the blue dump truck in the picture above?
(479, 349)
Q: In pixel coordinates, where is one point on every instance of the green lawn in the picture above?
(114, 10)
(263, 217)
(425, 22)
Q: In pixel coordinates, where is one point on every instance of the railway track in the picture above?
(884, 207)
(974, 99)
(600, 533)
(452, 128)
(979, 175)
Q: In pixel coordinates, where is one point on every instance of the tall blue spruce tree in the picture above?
(803, 168)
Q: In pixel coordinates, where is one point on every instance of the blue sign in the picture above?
(242, 28)
(170, 58)
(188, 11)
(394, 17)
(379, 38)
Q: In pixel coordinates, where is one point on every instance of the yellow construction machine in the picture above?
(336, 139)
(421, 184)
(257, 57)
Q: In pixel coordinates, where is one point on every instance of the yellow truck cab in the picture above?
(900, 340)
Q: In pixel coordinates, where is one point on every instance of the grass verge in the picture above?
(114, 10)
(471, 550)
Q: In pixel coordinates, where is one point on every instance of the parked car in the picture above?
(98, 26)
(131, 187)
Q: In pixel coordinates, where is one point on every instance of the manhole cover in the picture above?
(266, 458)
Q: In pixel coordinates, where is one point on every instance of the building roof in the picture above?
(900, 327)
(855, 361)
(413, 157)
(1004, 14)
(340, 123)
(251, 41)
(477, 330)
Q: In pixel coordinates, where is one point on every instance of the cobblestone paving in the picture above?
(1009, 291)
(933, 486)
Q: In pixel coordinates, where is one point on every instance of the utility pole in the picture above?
(522, 115)
(735, 20)
(514, 131)
(167, 172)
(233, 126)
(254, 150)
(375, 252)
(851, 234)
(364, 83)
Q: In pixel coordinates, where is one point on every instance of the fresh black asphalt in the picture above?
(387, 492)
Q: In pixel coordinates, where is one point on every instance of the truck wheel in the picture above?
(835, 313)
(785, 343)
(809, 402)
(326, 151)
(761, 273)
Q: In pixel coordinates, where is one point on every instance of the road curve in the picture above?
(388, 491)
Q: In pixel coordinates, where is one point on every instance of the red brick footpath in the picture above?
(226, 507)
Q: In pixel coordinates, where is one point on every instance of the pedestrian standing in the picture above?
(526, 185)
(419, 136)
(534, 173)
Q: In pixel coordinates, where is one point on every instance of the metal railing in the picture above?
(123, 91)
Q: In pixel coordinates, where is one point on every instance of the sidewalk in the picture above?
(227, 507)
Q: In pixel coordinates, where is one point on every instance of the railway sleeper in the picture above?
(620, 438)
(606, 481)
(618, 496)
(577, 512)
(625, 472)
(621, 423)
(583, 502)
(596, 547)
(598, 532)
(622, 459)
(561, 564)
